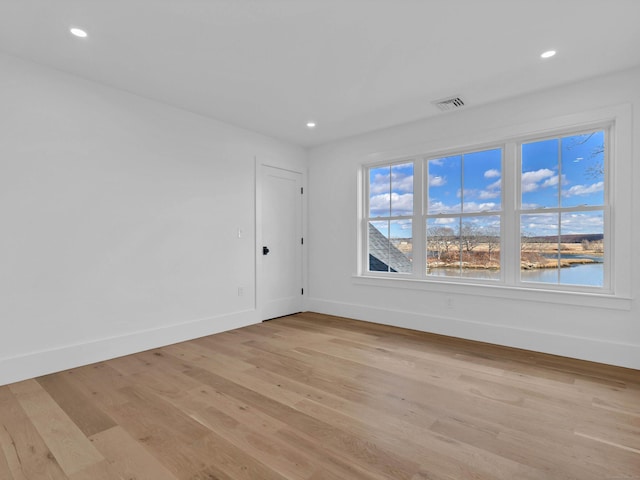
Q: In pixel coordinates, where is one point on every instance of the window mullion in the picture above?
(418, 222)
(511, 218)
(559, 243)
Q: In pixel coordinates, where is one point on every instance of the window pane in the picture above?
(443, 185)
(582, 248)
(539, 181)
(443, 246)
(480, 243)
(573, 255)
(402, 190)
(379, 192)
(482, 181)
(379, 246)
(583, 169)
(390, 246)
(539, 248)
(401, 248)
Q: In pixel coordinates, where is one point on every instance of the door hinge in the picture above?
(301, 190)
(302, 291)
(302, 241)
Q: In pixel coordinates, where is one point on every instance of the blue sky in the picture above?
(391, 194)
(574, 156)
(477, 185)
(391, 191)
(558, 172)
(563, 172)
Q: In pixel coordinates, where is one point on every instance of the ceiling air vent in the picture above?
(447, 104)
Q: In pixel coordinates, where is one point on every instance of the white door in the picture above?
(280, 251)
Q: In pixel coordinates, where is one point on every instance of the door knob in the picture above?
(265, 250)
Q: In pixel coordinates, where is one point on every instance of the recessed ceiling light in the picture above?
(78, 32)
(311, 124)
(548, 54)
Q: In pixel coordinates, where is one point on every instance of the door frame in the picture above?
(259, 290)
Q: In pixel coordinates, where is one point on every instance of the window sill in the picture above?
(582, 299)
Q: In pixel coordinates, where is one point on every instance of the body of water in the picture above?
(595, 258)
(466, 273)
(590, 274)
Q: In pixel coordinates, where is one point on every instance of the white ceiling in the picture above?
(351, 65)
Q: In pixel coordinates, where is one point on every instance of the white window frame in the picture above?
(605, 208)
(497, 213)
(616, 292)
(390, 218)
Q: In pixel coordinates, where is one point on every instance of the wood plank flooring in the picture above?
(317, 397)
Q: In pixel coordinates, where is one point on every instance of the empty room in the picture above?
(319, 240)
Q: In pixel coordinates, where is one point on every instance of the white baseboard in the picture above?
(611, 353)
(34, 364)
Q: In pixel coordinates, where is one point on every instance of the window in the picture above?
(463, 220)
(531, 212)
(389, 222)
(562, 210)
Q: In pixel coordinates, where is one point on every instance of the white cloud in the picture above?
(488, 194)
(493, 173)
(582, 223)
(379, 204)
(530, 206)
(437, 181)
(439, 207)
(492, 191)
(537, 175)
(530, 180)
(480, 207)
(553, 181)
(572, 223)
(445, 221)
(542, 226)
(495, 185)
(584, 190)
(380, 184)
(402, 204)
(400, 183)
(538, 226)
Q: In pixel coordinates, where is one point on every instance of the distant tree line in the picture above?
(445, 244)
(593, 245)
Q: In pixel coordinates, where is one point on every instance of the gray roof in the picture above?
(384, 256)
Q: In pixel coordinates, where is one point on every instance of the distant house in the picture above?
(384, 256)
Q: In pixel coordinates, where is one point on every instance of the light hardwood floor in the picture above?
(318, 397)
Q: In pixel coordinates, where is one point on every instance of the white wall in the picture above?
(591, 328)
(118, 221)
